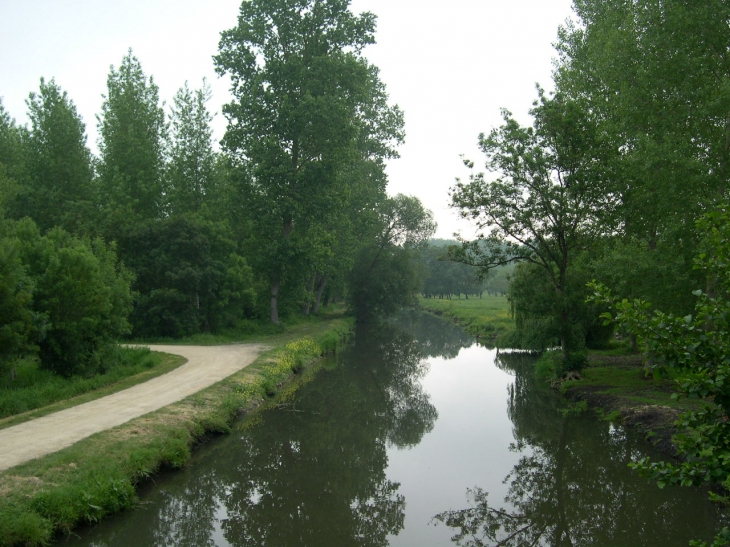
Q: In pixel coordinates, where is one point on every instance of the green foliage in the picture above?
(189, 277)
(386, 275)
(445, 277)
(81, 296)
(540, 312)
(132, 130)
(308, 111)
(191, 177)
(552, 364)
(294, 357)
(382, 282)
(33, 387)
(697, 346)
(58, 189)
(16, 312)
(545, 206)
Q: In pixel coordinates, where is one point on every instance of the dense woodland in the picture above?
(622, 159)
(164, 235)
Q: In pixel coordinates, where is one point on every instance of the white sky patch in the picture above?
(449, 65)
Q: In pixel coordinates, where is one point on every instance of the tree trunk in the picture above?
(275, 285)
(276, 277)
(320, 291)
(310, 288)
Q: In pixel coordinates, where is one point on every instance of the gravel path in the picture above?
(206, 365)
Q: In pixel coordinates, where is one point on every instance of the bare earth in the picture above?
(206, 365)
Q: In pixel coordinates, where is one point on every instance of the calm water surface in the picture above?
(416, 436)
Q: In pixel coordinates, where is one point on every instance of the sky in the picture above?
(449, 65)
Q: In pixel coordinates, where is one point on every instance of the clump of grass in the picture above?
(552, 365)
(295, 356)
(574, 409)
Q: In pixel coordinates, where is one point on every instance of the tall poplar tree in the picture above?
(132, 129)
(655, 76)
(191, 170)
(11, 159)
(58, 190)
(304, 100)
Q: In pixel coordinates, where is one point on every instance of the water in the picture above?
(414, 437)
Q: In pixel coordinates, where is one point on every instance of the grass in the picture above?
(36, 392)
(631, 386)
(486, 317)
(98, 476)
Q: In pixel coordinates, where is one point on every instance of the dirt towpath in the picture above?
(206, 365)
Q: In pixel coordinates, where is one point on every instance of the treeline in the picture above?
(621, 160)
(445, 278)
(163, 235)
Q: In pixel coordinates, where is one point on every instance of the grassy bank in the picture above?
(618, 386)
(615, 383)
(486, 317)
(98, 476)
(35, 393)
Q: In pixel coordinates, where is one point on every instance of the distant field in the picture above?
(485, 317)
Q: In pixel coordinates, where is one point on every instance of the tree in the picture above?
(17, 320)
(132, 133)
(547, 201)
(12, 161)
(386, 275)
(654, 75)
(191, 174)
(59, 190)
(697, 345)
(189, 277)
(81, 297)
(306, 103)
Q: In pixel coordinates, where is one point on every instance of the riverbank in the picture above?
(485, 318)
(98, 476)
(615, 383)
(618, 387)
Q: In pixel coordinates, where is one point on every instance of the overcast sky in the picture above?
(449, 65)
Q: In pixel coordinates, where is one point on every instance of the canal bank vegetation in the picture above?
(622, 177)
(486, 317)
(98, 476)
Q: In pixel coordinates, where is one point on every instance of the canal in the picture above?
(415, 436)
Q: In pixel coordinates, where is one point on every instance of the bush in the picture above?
(81, 298)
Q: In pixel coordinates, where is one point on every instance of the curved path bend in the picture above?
(205, 366)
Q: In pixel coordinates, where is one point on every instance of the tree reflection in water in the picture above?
(312, 469)
(295, 480)
(572, 486)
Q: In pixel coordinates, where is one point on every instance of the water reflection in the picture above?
(572, 486)
(434, 337)
(360, 456)
(311, 471)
